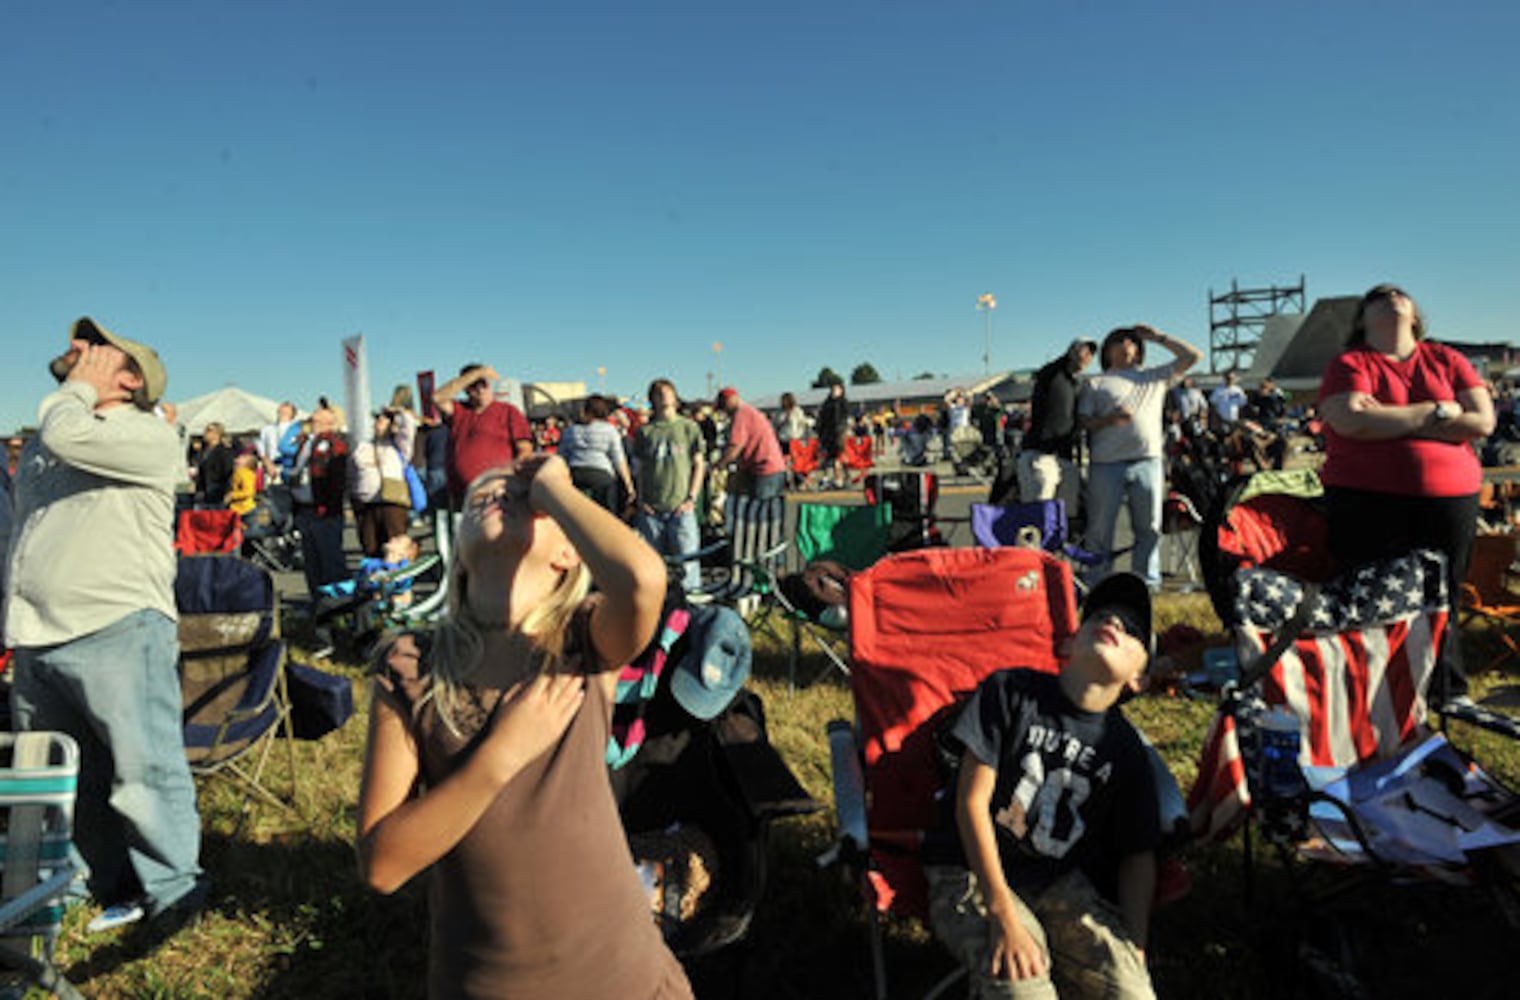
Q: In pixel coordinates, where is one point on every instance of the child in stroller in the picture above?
(270, 537)
(377, 589)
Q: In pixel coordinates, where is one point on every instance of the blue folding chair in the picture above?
(232, 671)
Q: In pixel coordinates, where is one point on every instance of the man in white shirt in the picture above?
(91, 616)
(1227, 401)
(279, 442)
(1120, 408)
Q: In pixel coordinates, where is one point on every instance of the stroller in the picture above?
(270, 537)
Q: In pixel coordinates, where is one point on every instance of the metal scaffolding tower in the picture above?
(1237, 318)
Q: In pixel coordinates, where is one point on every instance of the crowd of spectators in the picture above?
(93, 579)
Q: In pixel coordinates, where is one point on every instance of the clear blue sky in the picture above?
(553, 187)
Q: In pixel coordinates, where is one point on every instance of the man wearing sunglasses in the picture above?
(1057, 812)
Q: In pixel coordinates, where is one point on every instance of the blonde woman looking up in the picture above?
(487, 743)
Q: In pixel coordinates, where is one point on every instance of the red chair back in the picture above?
(804, 455)
(925, 628)
(202, 532)
(857, 452)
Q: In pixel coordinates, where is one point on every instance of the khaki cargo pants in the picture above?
(1088, 951)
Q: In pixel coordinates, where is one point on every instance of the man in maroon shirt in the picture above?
(484, 432)
(753, 447)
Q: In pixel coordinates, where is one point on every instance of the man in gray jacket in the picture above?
(89, 611)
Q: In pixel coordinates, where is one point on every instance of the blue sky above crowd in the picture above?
(559, 188)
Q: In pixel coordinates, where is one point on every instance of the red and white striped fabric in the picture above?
(1356, 678)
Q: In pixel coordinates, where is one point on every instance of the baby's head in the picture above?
(401, 548)
(245, 460)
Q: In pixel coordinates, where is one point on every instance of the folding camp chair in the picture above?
(697, 788)
(1488, 595)
(925, 628)
(1342, 669)
(857, 454)
(39, 774)
(368, 609)
(1041, 525)
(1181, 525)
(751, 552)
(270, 537)
(431, 607)
(802, 458)
(852, 536)
(200, 532)
(231, 671)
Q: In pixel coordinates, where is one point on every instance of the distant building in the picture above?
(912, 396)
(1295, 348)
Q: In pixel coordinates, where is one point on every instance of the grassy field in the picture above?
(289, 917)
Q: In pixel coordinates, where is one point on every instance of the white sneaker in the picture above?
(116, 916)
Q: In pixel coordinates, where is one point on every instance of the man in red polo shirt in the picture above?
(753, 446)
(484, 432)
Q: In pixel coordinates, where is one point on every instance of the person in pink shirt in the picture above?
(752, 448)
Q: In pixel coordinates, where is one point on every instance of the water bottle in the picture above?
(1278, 773)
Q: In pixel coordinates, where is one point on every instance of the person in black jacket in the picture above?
(832, 424)
(213, 467)
(1047, 463)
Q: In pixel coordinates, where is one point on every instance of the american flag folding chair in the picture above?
(1349, 656)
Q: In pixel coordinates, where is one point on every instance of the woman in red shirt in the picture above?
(1400, 472)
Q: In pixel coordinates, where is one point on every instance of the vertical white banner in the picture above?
(356, 388)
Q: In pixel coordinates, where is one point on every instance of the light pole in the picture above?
(985, 304)
(601, 379)
(718, 361)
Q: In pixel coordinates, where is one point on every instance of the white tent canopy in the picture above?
(238, 411)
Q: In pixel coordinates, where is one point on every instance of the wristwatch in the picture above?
(1446, 411)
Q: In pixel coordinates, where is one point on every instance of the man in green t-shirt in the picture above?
(669, 464)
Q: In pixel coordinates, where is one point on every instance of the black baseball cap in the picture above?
(1127, 594)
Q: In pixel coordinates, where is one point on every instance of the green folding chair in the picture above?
(855, 536)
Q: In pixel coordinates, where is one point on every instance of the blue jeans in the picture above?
(117, 692)
(674, 534)
(1142, 484)
(321, 548)
(768, 487)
